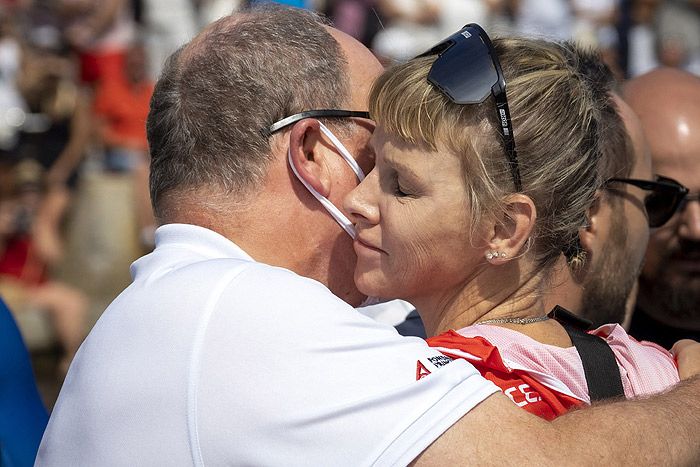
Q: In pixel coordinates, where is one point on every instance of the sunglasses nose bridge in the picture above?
(689, 217)
(690, 198)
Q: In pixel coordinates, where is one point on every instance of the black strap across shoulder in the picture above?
(599, 364)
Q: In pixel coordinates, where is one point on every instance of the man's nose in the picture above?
(689, 227)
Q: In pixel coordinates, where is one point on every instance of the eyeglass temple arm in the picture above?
(321, 113)
(507, 132)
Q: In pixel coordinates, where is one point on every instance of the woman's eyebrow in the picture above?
(400, 167)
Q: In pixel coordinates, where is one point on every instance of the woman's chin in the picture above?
(371, 284)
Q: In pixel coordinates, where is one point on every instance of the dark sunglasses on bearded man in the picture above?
(467, 71)
(664, 199)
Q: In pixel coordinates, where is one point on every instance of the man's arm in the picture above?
(661, 430)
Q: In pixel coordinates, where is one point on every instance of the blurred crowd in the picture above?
(75, 82)
(635, 36)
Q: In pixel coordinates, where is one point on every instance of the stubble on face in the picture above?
(670, 293)
(612, 277)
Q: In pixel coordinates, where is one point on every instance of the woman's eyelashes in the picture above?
(396, 187)
(399, 190)
(395, 184)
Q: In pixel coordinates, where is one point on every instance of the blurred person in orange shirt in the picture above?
(121, 107)
(100, 31)
(121, 104)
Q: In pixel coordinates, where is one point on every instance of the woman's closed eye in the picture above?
(396, 182)
(399, 188)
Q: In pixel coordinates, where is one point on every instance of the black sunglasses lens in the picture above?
(465, 71)
(661, 205)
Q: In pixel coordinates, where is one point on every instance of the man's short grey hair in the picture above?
(243, 73)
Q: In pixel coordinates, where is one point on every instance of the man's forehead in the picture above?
(643, 167)
(668, 103)
(675, 146)
(682, 167)
(640, 149)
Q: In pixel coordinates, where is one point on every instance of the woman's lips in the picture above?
(364, 246)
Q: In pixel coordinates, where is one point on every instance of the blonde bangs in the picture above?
(406, 105)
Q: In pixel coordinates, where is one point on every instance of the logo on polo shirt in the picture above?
(421, 371)
(425, 366)
(439, 360)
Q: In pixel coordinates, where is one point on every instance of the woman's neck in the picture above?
(496, 292)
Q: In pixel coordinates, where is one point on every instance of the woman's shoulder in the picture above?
(648, 367)
(519, 352)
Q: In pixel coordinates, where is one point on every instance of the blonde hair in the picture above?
(561, 108)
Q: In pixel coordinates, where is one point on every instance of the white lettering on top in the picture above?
(525, 395)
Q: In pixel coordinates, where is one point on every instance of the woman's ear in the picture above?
(308, 155)
(511, 231)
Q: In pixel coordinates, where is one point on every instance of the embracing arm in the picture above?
(661, 430)
(687, 355)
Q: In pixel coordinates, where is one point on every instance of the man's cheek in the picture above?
(653, 258)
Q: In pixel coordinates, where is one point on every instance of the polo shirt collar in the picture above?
(203, 240)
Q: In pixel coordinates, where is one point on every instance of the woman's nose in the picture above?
(361, 204)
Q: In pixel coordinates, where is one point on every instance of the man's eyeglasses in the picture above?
(336, 213)
(319, 113)
(467, 71)
(665, 198)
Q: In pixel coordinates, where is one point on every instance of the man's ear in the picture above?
(592, 235)
(510, 233)
(308, 155)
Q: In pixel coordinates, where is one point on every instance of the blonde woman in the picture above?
(467, 212)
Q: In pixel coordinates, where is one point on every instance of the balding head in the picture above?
(241, 74)
(668, 104)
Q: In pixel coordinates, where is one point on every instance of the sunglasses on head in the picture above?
(467, 71)
(664, 199)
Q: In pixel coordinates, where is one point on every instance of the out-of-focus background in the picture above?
(75, 81)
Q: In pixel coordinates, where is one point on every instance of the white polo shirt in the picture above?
(210, 358)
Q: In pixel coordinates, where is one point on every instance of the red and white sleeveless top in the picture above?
(548, 380)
